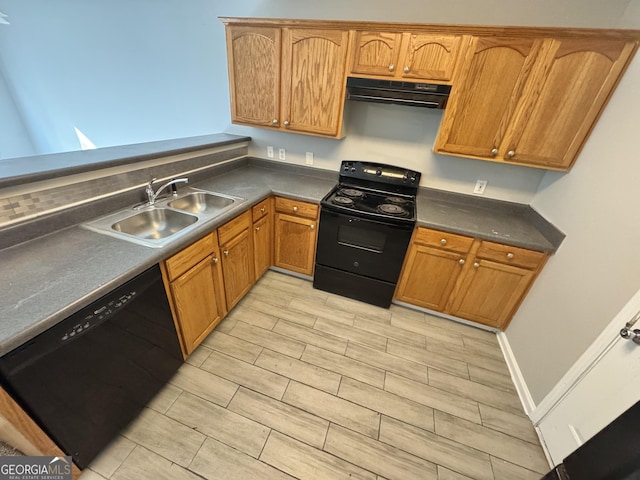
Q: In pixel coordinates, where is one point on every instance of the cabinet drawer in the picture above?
(510, 255)
(190, 256)
(261, 209)
(296, 207)
(234, 227)
(446, 240)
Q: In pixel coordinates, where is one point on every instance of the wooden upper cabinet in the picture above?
(313, 80)
(484, 99)
(574, 79)
(253, 54)
(376, 53)
(408, 56)
(530, 101)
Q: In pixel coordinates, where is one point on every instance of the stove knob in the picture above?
(413, 179)
(353, 169)
(356, 264)
(378, 172)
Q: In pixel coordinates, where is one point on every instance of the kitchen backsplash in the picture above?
(39, 202)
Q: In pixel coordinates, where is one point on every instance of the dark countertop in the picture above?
(16, 171)
(49, 278)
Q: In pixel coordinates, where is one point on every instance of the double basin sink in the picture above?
(166, 220)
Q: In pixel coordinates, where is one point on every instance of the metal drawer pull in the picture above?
(295, 209)
(494, 152)
(443, 241)
(392, 67)
(263, 209)
(476, 265)
(406, 69)
(226, 252)
(215, 260)
(461, 261)
(257, 229)
(509, 255)
(312, 226)
(511, 154)
(275, 121)
(286, 123)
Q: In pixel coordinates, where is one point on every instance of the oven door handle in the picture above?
(360, 247)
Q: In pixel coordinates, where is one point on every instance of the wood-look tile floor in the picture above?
(299, 383)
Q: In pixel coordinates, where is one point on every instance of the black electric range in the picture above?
(366, 222)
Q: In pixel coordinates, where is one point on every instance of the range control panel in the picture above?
(98, 313)
(378, 172)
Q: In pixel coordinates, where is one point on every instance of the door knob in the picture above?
(628, 334)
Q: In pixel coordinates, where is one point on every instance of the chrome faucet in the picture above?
(152, 196)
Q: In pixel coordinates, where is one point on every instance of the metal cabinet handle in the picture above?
(476, 265)
(257, 229)
(275, 121)
(286, 123)
(509, 255)
(312, 226)
(443, 241)
(494, 152)
(214, 260)
(226, 252)
(461, 261)
(263, 209)
(295, 209)
(392, 67)
(511, 154)
(406, 69)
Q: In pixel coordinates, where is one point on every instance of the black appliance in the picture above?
(425, 95)
(87, 377)
(611, 454)
(366, 223)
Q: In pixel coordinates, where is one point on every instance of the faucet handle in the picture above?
(152, 180)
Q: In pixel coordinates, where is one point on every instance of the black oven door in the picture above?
(362, 246)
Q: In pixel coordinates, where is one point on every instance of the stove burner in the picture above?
(343, 200)
(351, 192)
(391, 209)
(397, 200)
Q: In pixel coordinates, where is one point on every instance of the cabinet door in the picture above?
(430, 57)
(429, 276)
(490, 292)
(198, 302)
(376, 53)
(313, 80)
(262, 244)
(295, 243)
(237, 267)
(253, 54)
(575, 80)
(484, 98)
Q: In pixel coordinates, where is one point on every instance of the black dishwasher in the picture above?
(87, 377)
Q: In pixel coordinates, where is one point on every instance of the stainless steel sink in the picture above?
(154, 224)
(167, 220)
(201, 203)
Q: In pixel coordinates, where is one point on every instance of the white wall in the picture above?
(14, 138)
(597, 269)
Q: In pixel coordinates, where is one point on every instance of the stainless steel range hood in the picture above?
(425, 95)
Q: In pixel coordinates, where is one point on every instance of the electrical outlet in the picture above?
(309, 158)
(480, 186)
(270, 151)
(282, 154)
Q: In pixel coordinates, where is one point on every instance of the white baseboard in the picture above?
(516, 375)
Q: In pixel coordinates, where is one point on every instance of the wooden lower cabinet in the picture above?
(262, 215)
(477, 280)
(236, 245)
(429, 277)
(295, 235)
(193, 280)
(490, 291)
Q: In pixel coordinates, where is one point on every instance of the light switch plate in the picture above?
(309, 158)
(270, 151)
(282, 154)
